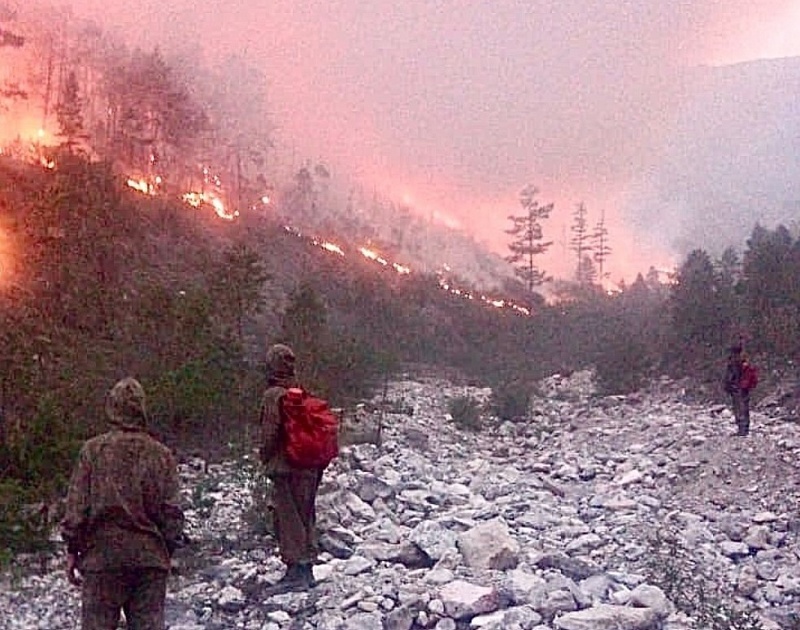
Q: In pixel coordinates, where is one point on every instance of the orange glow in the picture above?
(143, 186)
(6, 258)
(197, 199)
(373, 255)
(331, 247)
(401, 269)
(444, 284)
(140, 185)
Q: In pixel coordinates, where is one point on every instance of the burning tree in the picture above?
(152, 115)
(528, 239)
(240, 136)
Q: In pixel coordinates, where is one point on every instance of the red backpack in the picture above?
(311, 430)
(749, 376)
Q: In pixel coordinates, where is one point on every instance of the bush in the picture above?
(466, 412)
(24, 525)
(688, 585)
(511, 400)
(622, 367)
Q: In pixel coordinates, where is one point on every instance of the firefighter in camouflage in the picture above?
(122, 518)
(294, 490)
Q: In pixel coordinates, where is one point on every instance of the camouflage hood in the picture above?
(280, 365)
(125, 405)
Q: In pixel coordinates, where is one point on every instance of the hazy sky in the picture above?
(456, 105)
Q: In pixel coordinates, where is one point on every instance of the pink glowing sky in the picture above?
(457, 104)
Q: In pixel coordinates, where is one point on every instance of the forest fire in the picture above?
(371, 254)
(32, 151)
(331, 247)
(197, 199)
(36, 146)
(143, 186)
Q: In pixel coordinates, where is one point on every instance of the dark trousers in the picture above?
(741, 410)
(139, 592)
(294, 496)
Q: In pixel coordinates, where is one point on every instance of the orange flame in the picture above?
(197, 199)
(331, 247)
(142, 186)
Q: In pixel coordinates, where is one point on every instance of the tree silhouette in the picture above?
(600, 246)
(585, 272)
(69, 114)
(528, 239)
(238, 283)
(771, 269)
(152, 115)
(701, 322)
(304, 326)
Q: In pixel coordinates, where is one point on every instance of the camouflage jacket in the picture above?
(122, 507)
(272, 438)
(733, 377)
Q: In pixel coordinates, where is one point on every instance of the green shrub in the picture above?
(24, 525)
(623, 365)
(511, 400)
(686, 582)
(466, 412)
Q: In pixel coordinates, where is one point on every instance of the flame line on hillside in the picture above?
(197, 199)
(374, 256)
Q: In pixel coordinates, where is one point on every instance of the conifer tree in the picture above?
(69, 113)
(587, 272)
(580, 244)
(238, 283)
(528, 239)
(699, 321)
(600, 246)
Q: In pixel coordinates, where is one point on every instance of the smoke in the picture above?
(458, 105)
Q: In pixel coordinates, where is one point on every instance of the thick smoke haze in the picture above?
(454, 106)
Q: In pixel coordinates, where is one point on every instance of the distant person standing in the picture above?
(122, 519)
(740, 378)
(294, 487)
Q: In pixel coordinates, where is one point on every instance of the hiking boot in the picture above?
(298, 577)
(307, 575)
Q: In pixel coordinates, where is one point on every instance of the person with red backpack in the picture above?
(298, 440)
(740, 378)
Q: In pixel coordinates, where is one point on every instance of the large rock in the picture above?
(524, 588)
(608, 617)
(463, 600)
(489, 546)
(433, 538)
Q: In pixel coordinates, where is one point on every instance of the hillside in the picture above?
(99, 260)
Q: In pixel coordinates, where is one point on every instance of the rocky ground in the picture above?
(623, 513)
